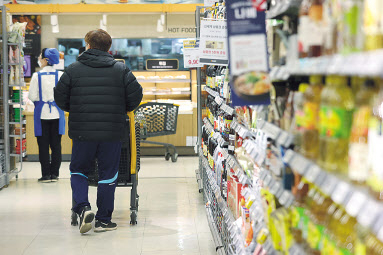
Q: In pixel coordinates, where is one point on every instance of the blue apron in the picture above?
(40, 104)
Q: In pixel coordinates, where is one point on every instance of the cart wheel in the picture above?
(174, 157)
(133, 218)
(74, 219)
(167, 156)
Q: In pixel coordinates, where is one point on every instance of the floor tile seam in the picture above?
(34, 239)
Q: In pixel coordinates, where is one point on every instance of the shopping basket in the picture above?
(128, 169)
(158, 119)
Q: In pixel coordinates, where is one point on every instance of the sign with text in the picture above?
(161, 64)
(191, 53)
(213, 43)
(246, 24)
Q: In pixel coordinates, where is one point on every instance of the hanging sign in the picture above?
(161, 64)
(246, 24)
(213, 43)
(191, 53)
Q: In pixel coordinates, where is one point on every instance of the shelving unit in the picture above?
(10, 122)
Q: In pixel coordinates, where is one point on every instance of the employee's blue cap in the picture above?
(52, 55)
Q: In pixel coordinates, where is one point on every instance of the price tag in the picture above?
(340, 193)
(272, 130)
(329, 184)
(289, 154)
(275, 188)
(263, 175)
(283, 137)
(267, 180)
(320, 178)
(369, 213)
(299, 164)
(355, 204)
(312, 173)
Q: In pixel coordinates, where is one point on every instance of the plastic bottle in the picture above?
(310, 133)
(352, 24)
(358, 150)
(337, 103)
(299, 116)
(373, 24)
(375, 145)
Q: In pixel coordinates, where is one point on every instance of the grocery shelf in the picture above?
(275, 133)
(220, 101)
(163, 80)
(23, 122)
(24, 154)
(18, 136)
(365, 64)
(356, 200)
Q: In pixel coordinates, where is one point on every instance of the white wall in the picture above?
(118, 26)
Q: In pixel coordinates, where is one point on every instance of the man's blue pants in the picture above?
(108, 157)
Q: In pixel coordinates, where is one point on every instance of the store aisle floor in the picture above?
(35, 217)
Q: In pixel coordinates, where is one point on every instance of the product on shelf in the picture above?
(373, 24)
(358, 152)
(310, 132)
(337, 104)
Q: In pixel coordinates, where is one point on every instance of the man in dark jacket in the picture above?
(97, 91)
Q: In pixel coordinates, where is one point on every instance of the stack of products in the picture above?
(321, 193)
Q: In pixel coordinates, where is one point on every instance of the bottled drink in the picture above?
(336, 108)
(358, 150)
(310, 134)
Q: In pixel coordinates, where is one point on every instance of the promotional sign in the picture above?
(213, 43)
(161, 64)
(191, 53)
(246, 24)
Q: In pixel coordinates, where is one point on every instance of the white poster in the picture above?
(247, 53)
(213, 43)
(191, 53)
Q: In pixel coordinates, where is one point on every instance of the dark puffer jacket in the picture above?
(97, 91)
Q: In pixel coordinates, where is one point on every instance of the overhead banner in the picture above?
(246, 25)
(213, 43)
(191, 53)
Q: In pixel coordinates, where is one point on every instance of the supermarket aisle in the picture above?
(35, 217)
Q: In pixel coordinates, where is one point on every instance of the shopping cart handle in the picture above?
(133, 144)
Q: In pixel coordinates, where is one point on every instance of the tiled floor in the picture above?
(35, 217)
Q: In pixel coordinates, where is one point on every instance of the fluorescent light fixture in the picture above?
(103, 22)
(160, 26)
(55, 23)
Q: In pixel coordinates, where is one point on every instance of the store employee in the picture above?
(48, 117)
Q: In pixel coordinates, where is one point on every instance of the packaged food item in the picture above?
(337, 104)
(358, 170)
(311, 105)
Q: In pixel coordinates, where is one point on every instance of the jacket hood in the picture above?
(96, 58)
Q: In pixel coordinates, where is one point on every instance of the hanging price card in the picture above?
(191, 53)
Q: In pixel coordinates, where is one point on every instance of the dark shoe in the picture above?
(102, 226)
(54, 178)
(86, 218)
(44, 179)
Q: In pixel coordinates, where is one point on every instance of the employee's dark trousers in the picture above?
(108, 157)
(50, 138)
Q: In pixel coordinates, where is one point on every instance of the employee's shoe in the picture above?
(86, 219)
(102, 226)
(54, 178)
(44, 179)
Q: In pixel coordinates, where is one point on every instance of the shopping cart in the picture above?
(158, 119)
(128, 169)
